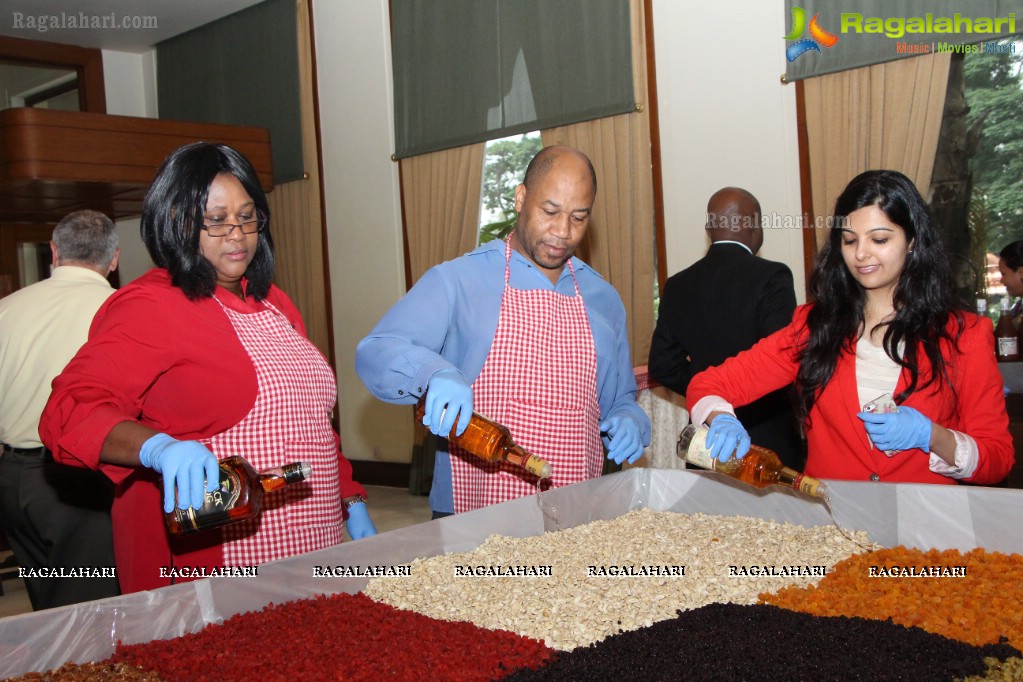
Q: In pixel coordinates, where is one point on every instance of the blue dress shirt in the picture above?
(448, 321)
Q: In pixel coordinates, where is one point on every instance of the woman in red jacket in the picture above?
(882, 322)
(200, 359)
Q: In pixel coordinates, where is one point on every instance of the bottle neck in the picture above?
(528, 461)
(517, 454)
(788, 476)
(278, 477)
(801, 482)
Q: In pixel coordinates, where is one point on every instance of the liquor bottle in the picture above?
(1006, 341)
(759, 468)
(239, 496)
(493, 442)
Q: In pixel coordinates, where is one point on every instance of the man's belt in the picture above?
(24, 451)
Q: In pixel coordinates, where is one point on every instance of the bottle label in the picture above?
(538, 467)
(215, 504)
(1008, 346)
(806, 484)
(698, 452)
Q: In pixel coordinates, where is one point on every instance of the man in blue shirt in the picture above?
(524, 333)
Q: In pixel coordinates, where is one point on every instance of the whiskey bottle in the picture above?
(239, 496)
(1006, 340)
(759, 468)
(493, 442)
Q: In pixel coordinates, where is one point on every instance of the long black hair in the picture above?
(172, 216)
(923, 296)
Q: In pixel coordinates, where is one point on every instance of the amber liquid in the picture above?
(492, 442)
(239, 496)
(759, 468)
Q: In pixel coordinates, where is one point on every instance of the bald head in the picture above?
(545, 160)
(734, 214)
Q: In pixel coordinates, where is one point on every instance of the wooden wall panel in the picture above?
(54, 162)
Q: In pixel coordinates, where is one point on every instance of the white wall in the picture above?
(130, 81)
(725, 119)
(363, 209)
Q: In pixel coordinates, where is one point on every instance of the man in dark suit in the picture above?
(722, 305)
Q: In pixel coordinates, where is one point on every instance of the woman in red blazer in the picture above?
(883, 321)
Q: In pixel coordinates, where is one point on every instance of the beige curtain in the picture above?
(882, 116)
(440, 194)
(441, 205)
(297, 217)
(620, 241)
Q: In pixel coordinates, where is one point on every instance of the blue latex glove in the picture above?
(626, 441)
(184, 463)
(727, 435)
(359, 524)
(902, 430)
(448, 396)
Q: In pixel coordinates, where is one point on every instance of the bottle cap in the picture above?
(306, 469)
(538, 467)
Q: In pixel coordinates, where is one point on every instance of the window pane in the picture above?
(504, 164)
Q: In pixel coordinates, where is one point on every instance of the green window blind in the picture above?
(466, 71)
(239, 70)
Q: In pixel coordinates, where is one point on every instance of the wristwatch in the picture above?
(354, 499)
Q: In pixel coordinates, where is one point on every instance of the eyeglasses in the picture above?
(257, 224)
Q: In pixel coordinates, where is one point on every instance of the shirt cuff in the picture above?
(707, 404)
(967, 456)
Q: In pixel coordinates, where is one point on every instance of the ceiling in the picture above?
(112, 23)
(52, 161)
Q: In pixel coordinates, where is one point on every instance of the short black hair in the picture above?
(172, 216)
(1012, 254)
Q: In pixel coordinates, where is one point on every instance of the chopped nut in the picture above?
(579, 608)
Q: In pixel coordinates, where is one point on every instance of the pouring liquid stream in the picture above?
(759, 467)
(826, 498)
(747, 471)
(550, 512)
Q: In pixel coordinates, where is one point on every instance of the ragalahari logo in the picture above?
(818, 36)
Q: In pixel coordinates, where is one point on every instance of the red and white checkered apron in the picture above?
(539, 380)
(289, 422)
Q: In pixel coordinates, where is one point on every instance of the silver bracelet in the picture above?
(356, 499)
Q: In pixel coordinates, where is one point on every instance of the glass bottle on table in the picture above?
(1006, 335)
(492, 442)
(759, 468)
(239, 496)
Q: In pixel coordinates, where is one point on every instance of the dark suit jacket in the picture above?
(716, 308)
